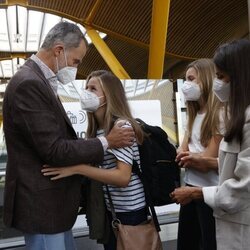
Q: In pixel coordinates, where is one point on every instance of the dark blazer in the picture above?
(38, 131)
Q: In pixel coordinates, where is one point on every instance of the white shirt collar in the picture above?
(48, 73)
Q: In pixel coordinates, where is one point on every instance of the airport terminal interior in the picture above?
(146, 43)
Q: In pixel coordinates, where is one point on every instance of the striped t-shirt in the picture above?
(132, 197)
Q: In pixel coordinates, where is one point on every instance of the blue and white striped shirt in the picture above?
(132, 197)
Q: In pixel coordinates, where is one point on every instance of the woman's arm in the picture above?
(184, 195)
(212, 149)
(184, 145)
(182, 150)
(202, 162)
(233, 194)
(205, 161)
(119, 176)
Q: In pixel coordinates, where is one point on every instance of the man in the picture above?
(38, 132)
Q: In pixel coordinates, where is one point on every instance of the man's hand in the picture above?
(185, 195)
(120, 137)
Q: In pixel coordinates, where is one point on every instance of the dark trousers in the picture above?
(196, 227)
(126, 218)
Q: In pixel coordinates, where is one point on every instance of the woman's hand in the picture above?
(58, 173)
(180, 155)
(199, 162)
(193, 160)
(185, 195)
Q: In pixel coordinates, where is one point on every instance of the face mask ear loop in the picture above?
(102, 104)
(57, 65)
(64, 52)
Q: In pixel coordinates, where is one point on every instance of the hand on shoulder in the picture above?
(121, 135)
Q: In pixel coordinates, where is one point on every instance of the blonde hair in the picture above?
(116, 105)
(205, 70)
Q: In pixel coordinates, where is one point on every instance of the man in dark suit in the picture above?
(37, 132)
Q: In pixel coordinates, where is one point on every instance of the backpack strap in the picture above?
(149, 202)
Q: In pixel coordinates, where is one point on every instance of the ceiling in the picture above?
(132, 87)
(21, 36)
(195, 29)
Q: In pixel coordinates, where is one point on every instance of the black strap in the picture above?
(115, 221)
(149, 202)
(111, 203)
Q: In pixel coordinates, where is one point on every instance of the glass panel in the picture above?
(49, 21)
(71, 90)
(82, 28)
(22, 24)
(2, 90)
(18, 62)
(163, 82)
(1, 70)
(20, 33)
(17, 27)
(4, 39)
(11, 14)
(7, 68)
(34, 30)
(140, 88)
(102, 35)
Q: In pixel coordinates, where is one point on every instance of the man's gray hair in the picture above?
(67, 33)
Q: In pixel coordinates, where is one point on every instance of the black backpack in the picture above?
(159, 172)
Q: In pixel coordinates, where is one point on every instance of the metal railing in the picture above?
(15, 242)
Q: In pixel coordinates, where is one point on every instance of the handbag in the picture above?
(140, 237)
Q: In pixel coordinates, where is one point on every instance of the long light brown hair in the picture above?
(205, 70)
(116, 105)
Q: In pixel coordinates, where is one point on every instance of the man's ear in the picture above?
(57, 49)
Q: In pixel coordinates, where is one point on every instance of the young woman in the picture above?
(203, 134)
(230, 200)
(105, 101)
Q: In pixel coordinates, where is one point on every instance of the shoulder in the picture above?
(26, 75)
(27, 87)
(24, 82)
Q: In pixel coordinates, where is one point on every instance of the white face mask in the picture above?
(191, 91)
(90, 102)
(221, 90)
(66, 74)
